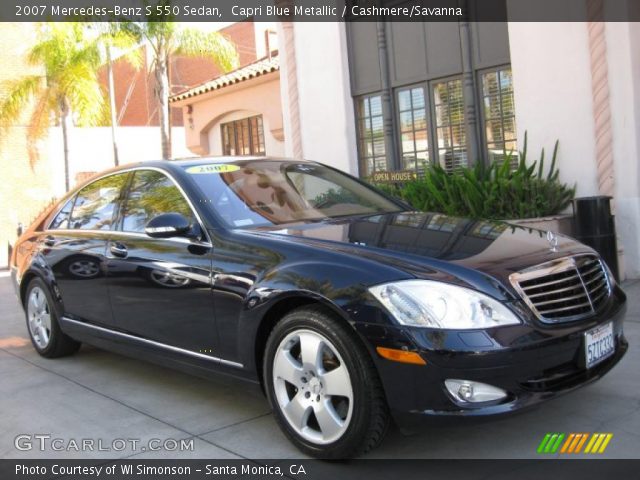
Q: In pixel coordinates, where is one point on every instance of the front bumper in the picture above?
(533, 363)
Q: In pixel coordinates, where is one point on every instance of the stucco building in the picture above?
(374, 96)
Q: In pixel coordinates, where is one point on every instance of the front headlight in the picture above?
(425, 303)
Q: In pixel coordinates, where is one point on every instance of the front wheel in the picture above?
(323, 386)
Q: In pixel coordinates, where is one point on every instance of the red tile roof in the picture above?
(253, 70)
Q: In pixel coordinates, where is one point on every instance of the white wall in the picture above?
(259, 29)
(90, 149)
(552, 85)
(273, 147)
(623, 40)
(325, 103)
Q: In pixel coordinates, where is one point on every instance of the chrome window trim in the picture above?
(154, 343)
(185, 240)
(207, 241)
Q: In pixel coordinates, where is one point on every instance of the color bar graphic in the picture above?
(550, 443)
(597, 443)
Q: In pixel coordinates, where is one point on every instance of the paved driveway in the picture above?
(103, 396)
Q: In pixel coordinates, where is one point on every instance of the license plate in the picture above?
(598, 344)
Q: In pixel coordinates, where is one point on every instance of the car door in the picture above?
(160, 289)
(74, 246)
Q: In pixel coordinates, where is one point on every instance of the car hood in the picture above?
(424, 244)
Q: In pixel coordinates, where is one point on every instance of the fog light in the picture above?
(473, 392)
(466, 391)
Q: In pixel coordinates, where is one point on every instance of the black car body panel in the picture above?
(207, 305)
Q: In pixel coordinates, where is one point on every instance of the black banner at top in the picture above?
(321, 10)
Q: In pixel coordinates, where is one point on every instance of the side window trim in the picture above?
(207, 239)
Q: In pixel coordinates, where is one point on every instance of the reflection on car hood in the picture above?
(411, 240)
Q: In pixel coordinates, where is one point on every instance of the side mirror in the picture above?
(168, 225)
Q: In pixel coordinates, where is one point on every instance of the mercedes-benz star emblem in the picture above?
(552, 238)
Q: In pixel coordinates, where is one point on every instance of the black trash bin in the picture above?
(594, 225)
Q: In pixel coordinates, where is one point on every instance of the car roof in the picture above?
(180, 164)
(185, 162)
(191, 161)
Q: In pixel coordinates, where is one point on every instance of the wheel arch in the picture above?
(49, 282)
(26, 279)
(279, 309)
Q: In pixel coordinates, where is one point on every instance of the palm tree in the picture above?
(167, 39)
(69, 90)
(111, 37)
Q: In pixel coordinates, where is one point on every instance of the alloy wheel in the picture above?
(39, 317)
(312, 386)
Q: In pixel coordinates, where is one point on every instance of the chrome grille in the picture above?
(564, 290)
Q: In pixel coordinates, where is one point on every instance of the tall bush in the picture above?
(495, 191)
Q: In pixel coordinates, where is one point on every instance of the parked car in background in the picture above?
(348, 308)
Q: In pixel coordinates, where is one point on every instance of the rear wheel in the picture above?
(42, 322)
(323, 387)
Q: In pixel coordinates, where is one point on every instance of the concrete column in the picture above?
(393, 162)
(469, 94)
(293, 104)
(600, 94)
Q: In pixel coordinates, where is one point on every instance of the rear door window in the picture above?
(96, 203)
(61, 220)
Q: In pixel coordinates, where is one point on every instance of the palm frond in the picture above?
(39, 124)
(16, 100)
(85, 97)
(214, 45)
(126, 42)
(130, 48)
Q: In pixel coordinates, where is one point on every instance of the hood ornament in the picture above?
(552, 238)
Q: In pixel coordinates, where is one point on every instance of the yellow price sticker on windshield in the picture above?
(213, 168)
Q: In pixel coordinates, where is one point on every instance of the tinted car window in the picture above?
(267, 192)
(151, 194)
(61, 220)
(96, 203)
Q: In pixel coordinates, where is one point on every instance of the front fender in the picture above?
(342, 289)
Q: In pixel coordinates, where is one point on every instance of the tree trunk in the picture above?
(112, 105)
(65, 123)
(162, 96)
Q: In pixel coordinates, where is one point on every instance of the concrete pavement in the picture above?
(103, 396)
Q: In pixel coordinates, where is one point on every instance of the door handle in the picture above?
(118, 250)
(49, 241)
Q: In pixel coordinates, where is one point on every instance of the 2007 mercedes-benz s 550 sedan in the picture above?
(346, 306)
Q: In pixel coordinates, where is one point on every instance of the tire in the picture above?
(42, 323)
(345, 424)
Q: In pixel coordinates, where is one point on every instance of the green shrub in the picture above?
(496, 191)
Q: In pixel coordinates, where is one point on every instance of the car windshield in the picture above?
(269, 192)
